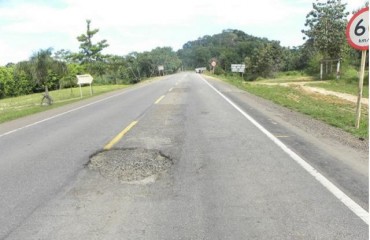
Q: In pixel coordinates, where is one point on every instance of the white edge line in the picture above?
(60, 114)
(352, 205)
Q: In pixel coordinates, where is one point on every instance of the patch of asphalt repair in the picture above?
(130, 165)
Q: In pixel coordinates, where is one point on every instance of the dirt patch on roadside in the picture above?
(322, 91)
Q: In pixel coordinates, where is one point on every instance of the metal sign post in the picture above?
(357, 33)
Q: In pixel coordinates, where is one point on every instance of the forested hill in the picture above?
(262, 57)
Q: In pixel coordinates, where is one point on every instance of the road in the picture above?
(236, 172)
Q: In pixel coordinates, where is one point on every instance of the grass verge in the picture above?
(13, 108)
(329, 109)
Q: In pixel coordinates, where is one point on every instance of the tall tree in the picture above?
(43, 66)
(326, 24)
(90, 52)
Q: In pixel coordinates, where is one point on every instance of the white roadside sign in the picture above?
(84, 79)
(238, 68)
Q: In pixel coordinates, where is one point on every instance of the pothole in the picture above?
(133, 165)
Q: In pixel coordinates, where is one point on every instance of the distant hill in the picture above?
(233, 47)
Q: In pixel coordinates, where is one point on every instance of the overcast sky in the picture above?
(141, 25)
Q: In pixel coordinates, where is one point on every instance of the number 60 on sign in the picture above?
(358, 30)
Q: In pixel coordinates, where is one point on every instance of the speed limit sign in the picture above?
(358, 30)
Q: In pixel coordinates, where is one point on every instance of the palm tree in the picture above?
(42, 64)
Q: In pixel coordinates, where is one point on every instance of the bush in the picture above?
(313, 67)
(219, 71)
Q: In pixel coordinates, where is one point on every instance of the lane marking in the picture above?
(170, 90)
(159, 99)
(352, 205)
(117, 138)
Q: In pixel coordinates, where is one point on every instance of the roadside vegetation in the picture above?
(13, 108)
(330, 109)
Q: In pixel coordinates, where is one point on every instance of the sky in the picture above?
(27, 26)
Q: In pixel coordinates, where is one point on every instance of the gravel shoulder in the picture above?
(341, 157)
(306, 123)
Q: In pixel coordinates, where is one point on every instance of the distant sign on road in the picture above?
(238, 68)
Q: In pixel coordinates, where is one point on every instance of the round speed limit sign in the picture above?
(358, 30)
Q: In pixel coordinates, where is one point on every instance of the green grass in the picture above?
(329, 109)
(13, 108)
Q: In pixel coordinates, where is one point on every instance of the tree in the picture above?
(43, 67)
(326, 27)
(266, 60)
(7, 83)
(116, 68)
(165, 56)
(90, 52)
(63, 56)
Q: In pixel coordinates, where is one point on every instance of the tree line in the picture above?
(47, 70)
(324, 34)
(325, 41)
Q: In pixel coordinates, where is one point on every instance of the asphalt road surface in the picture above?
(233, 170)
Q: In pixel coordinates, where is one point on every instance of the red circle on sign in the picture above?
(349, 39)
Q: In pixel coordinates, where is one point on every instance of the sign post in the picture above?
(161, 69)
(357, 33)
(84, 79)
(240, 68)
(213, 66)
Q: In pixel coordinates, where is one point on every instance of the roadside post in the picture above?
(357, 33)
(84, 79)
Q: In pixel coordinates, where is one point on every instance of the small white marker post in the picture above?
(357, 33)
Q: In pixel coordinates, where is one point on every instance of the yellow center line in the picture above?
(159, 99)
(119, 136)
